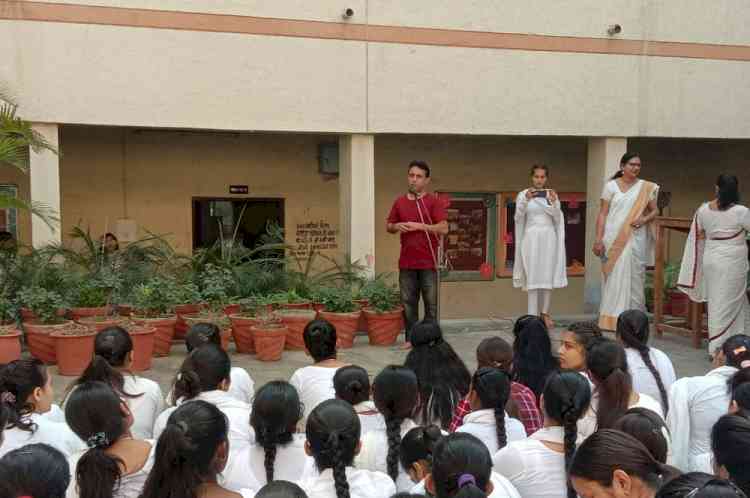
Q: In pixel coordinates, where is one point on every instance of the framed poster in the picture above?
(469, 247)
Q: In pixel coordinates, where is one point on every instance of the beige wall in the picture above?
(151, 176)
(719, 21)
(182, 78)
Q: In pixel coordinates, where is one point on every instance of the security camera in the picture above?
(614, 29)
(347, 13)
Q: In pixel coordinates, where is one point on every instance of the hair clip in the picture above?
(98, 440)
(7, 397)
(745, 364)
(465, 480)
(741, 349)
(179, 376)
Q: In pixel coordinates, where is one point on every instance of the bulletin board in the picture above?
(469, 246)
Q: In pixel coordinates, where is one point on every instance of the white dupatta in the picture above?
(690, 280)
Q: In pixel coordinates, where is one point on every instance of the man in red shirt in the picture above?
(420, 219)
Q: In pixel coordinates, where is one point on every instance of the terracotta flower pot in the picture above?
(10, 344)
(41, 343)
(269, 341)
(226, 337)
(143, 347)
(27, 315)
(99, 323)
(346, 326)
(164, 332)
(243, 334)
(383, 328)
(181, 326)
(232, 309)
(362, 325)
(295, 321)
(297, 306)
(74, 351)
(124, 309)
(78, 313)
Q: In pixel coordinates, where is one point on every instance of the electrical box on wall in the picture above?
(328, 158)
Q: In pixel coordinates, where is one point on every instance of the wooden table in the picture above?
(693, 325)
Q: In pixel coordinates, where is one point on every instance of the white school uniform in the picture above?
(314, 385)
(695, 404)
(587, 423)
(130, 486)
(533, 468)
(369, 417)
(55, 414)
(241, 434)
(56, 434)
(241, 385)
(374, 454)
(502, 488)
(246, 467)
(481, 423)
(643, 380)
(146, 407)
(362, 484)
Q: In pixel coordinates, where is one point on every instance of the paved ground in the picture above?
(464, 335)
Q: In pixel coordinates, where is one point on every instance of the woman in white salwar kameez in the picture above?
(714, 264)
(540, 244)
(623, 240)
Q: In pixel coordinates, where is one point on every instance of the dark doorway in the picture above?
(214, 214)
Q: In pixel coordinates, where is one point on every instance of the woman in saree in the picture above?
(623, 240)
(714, 263)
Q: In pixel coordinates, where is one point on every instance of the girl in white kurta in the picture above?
(624, 240)
(540, 261)
(536, 466)
(279, 453)
(192, 453)
(696, 403)
(352, 384)
(27, 393)
(714, 264)
(613, 393)
(204, 376)
(112, 363)
(332, 433)
(95, 413)
(488, 421)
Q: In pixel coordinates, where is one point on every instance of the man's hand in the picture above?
(412, 226)
(552, 196)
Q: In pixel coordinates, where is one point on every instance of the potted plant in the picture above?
(384, 313)
(189, 297)
(243, 322)
(45, 305)
(295, 320)
(291, 300)
(89, 296)
(676, 302)
(343, 313)
(153, 304)
(216, 289)
(74, 346)
(269, 335)
(10, 336)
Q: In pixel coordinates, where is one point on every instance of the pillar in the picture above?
(603, 160)
(44, 181)
(357, 199)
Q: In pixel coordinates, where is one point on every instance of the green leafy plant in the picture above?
(44, 303)
(7, 311)
(216, 286)
(382, 296)
(287, 297)
(338, 300)
(186, 293)
(154, 298)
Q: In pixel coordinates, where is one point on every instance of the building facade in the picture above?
(159, 107)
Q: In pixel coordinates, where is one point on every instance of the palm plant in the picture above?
(16, 138)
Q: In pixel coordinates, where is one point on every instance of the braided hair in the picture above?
(417, 445)
(333, 432)
(276, 411)
(492, 387)
(395, 392)
(567, 396)
(633, 331)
